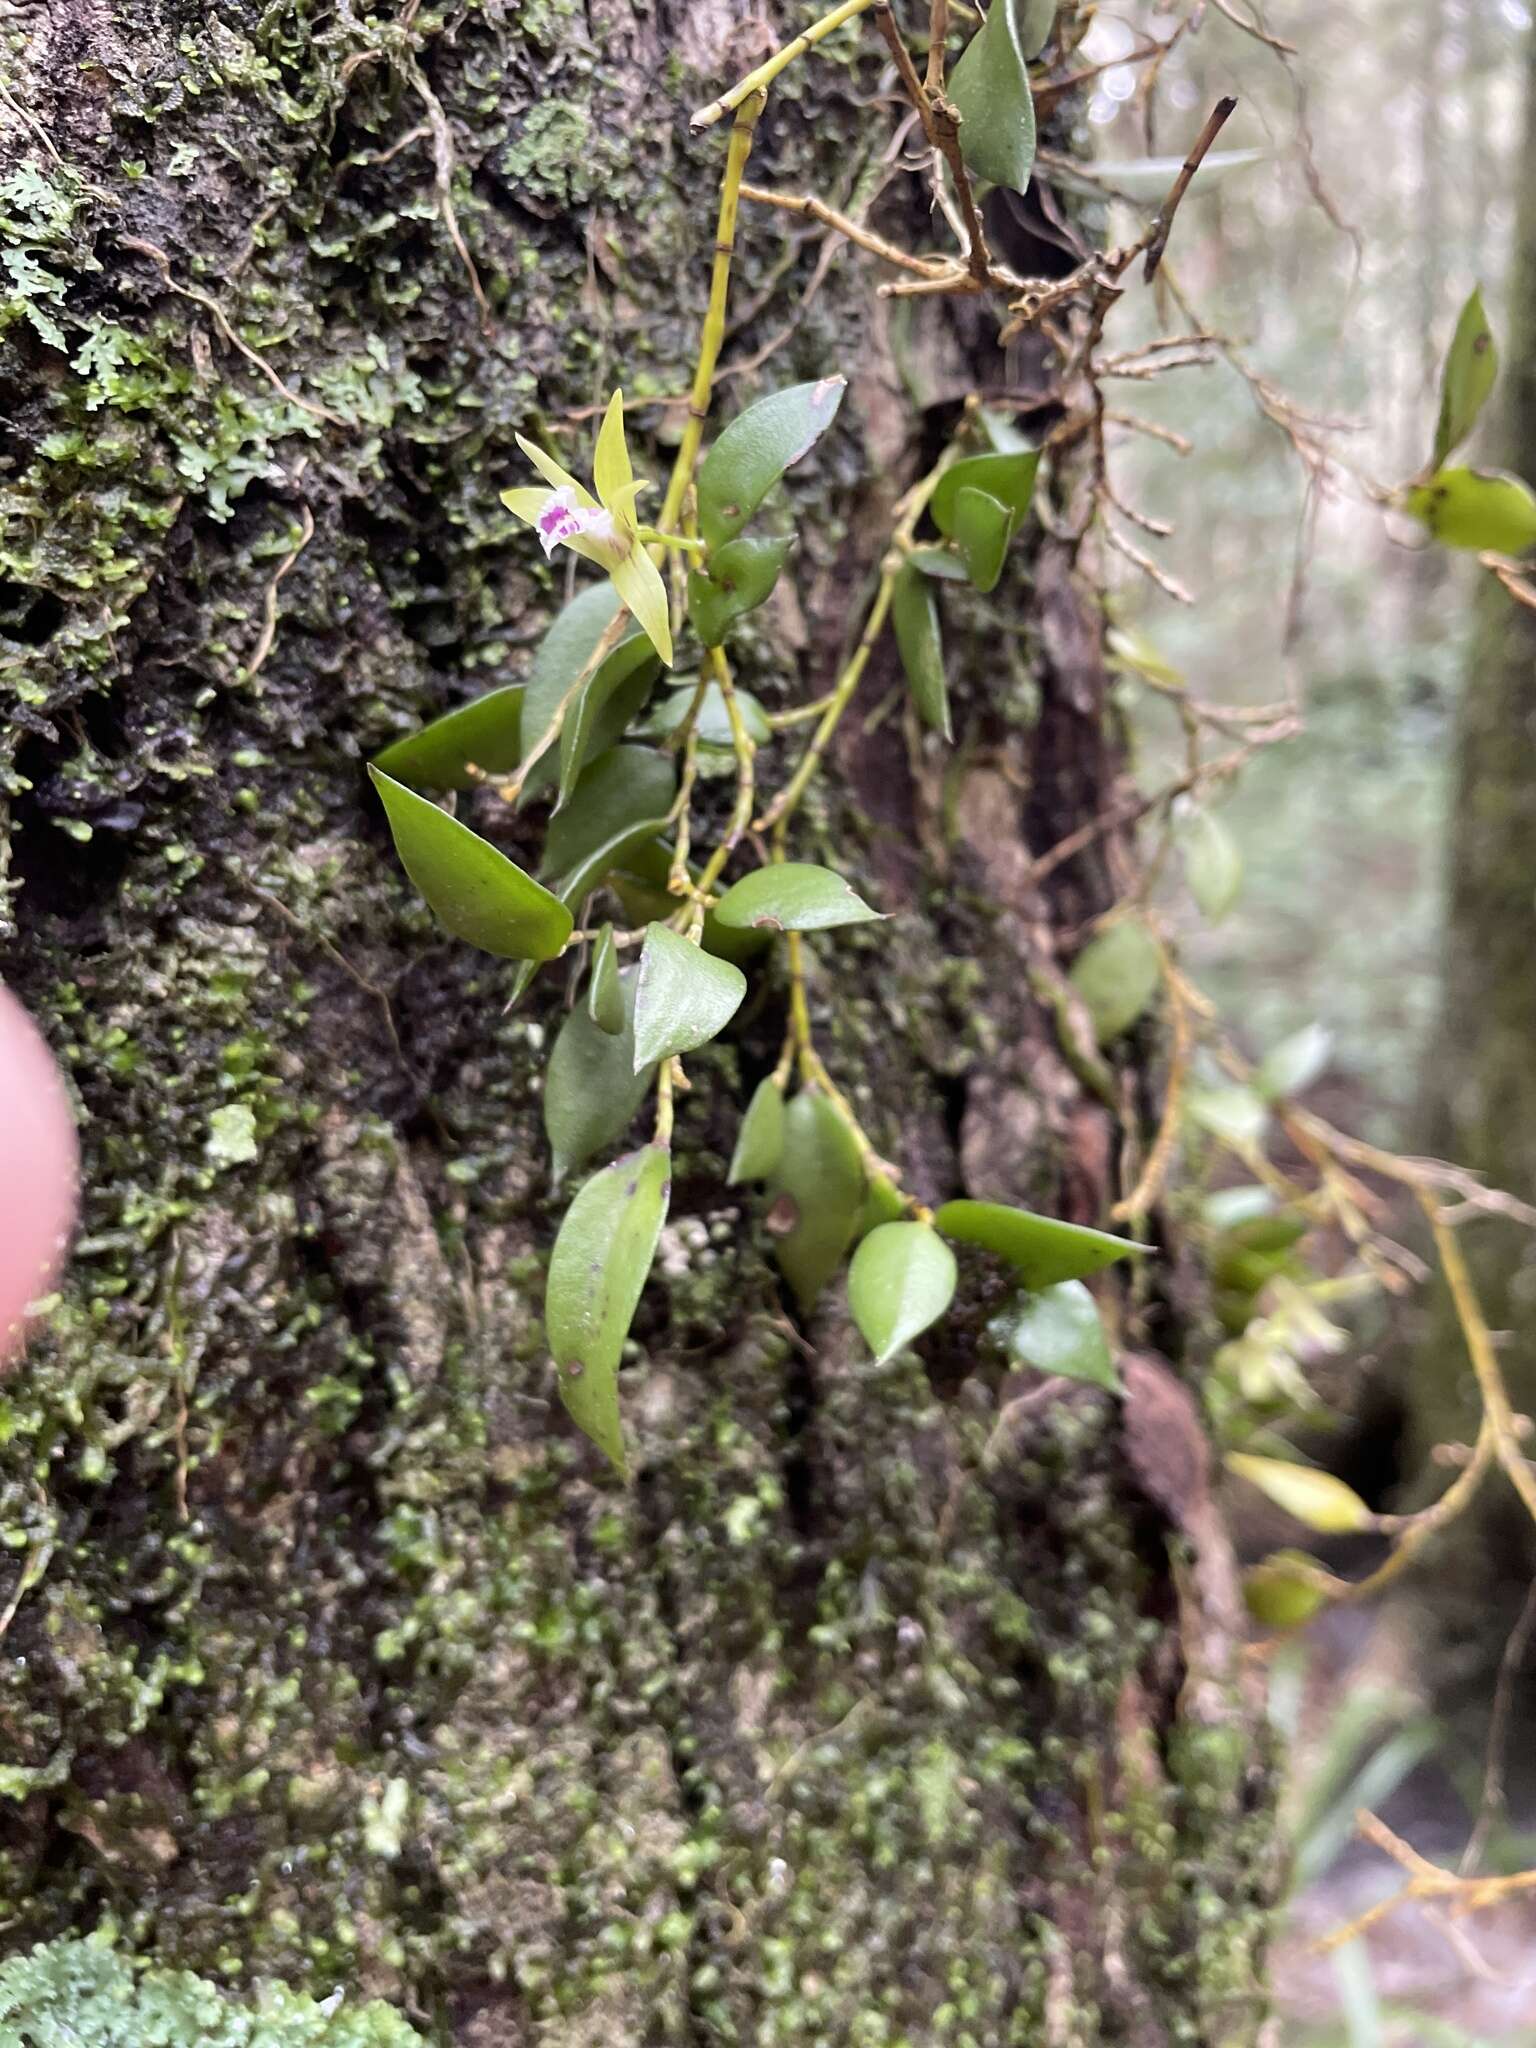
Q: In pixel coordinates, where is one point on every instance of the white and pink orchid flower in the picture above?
(602, 529)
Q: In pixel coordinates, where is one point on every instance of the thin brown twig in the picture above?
(1162, 225)
(268, 632)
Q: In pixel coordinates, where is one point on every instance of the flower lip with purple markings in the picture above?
(562, 519)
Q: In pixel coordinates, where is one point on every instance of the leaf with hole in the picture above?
(1010, 478)
(792, 896)
(815, 1194)
(1042, 1250)
(605, 995)
(615, 793)
(1316, 1498)
(1471, 366)
(919, 641)
(685, 998)
(1213, 865)
(486, 734)
(1117, 974)
(983, 529)
(1059, 1330)
(1483, 509)
(755, 450)
(990, 89)
(592, 1087)
(740, 577)
(478, 893)
(760, 1141)
(1287, 1588)
(901, 1281)
(596, 1272)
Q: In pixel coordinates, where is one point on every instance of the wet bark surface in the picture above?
(887, 1706)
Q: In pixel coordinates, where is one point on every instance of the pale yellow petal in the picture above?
(611, 471)
(638, 582)
(527, 502)
(559, 479)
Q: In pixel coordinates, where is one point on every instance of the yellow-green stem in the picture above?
(713, 334)
(741, 741)
(664, 1106)
(764, 75)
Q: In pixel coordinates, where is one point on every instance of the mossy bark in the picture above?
(1483, 1076)
(335, 1654)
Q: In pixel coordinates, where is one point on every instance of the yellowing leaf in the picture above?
(1471, 366)
(1316, 1498)
(1483, 509)
(1287, 1589)
(476, 891)
(901, 1281)
(596, 1272)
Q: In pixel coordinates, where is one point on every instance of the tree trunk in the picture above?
(1484, 1078)
(862, 1717)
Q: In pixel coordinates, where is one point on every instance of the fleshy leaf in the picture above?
(792, 896)
(475, 890)
(686, 996)
(755, 450)
(1471, 366)
(942, 563)
(593, 1088)
(1059, 1330)
(1483, 509)
(596, 1272)
(741, 576)
(760, 1141)
(613, 853)
(1042, 1250)
(1316, 1498)
(816, 1194)
(606, 706)
(1036, 20)
(990, 87)
(901, 1281)
(1286, 1589)
(1008, 478)
(487, 732)
(1117, 974)
(915, 617)
(605, 993)
(983, 529)
(614, 793)
(1213, 865)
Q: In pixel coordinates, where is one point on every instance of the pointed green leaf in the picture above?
(1213, 865)
(605, 996)
(1316, 1498)
(713, 724)
(596, 1272)
(1042, 1250)
(1008, 478)
(755, 450)
(990, 87)
(1471, 365)
(562, 654)
(915, 617)
(741, 574)
(617, 691)
(792, 896)
(477, 892)
(1036, 20)
(1295, 1063)
(592, 1087)
(487, 733)
(1060, 1331)
(900, 1282)
(941, 563)
(1117, 974)
(686, 997)
(816, 1195)
(760, 1141)
(983, 529)
(1477, 508)
(613, 854)
(614, 793)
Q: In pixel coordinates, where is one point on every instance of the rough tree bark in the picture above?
(336, 1654)
(1483, 1077)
